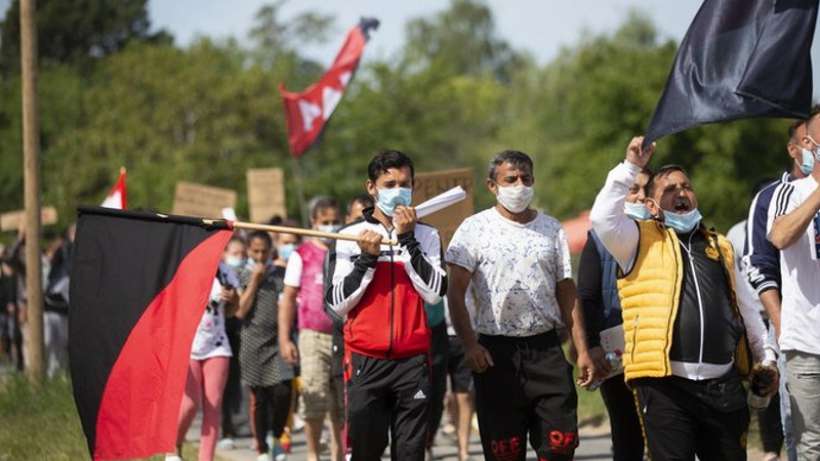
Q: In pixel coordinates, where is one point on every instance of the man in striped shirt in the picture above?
(794, 217)
(762, 260)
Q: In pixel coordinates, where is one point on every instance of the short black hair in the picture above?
(321, 202)
(661, 172)
(515, 158)
(386, 160)
(261, 235)
(364, 199)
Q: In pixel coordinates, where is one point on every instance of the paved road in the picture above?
(595, 446)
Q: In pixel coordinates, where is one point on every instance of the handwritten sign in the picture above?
(429, 185)
(193, 199)
(11, 221)
(266, 194)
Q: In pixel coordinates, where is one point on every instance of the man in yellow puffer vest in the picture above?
(688, 344)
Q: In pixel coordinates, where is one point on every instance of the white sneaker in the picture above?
(263, 457)
(173, 458)
(278, 454)
(298, 423)
(226, 444)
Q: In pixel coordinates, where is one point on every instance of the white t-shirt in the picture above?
(293, 271)
(211, 340)
(800, 272)
(515, 268)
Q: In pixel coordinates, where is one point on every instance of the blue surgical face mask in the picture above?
(234, 261)
(389, 199)
(331, 228)
(286, 250)
(682, 222)
(637, 211)
(807, 163)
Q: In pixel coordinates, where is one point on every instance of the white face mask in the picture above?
(515, 198)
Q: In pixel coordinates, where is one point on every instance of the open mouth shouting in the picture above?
(682, 205)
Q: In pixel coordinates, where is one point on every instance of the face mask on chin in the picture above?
(682, 223)
(637, 211)
(515, 199)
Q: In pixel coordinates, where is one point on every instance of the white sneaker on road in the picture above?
(226, 444)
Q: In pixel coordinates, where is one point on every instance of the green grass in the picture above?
(39, 423)
(42, 423)
(591, 409)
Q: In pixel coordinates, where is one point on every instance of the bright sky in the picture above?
(541, 27)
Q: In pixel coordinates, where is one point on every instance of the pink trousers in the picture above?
(204, 386)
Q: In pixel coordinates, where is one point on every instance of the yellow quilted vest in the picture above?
(650, 294)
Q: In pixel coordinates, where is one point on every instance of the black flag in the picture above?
(139, 285)
(739, 59)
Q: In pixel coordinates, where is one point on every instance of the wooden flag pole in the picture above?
(31, 175)
(300, 189)
(295, 231)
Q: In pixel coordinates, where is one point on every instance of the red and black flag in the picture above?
(739, 59)
(139, 285)
(308, 112)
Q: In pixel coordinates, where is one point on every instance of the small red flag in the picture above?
(117, 198)
(308, 112)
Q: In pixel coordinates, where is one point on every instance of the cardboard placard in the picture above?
(429, 185)
(191, 199)
(266, 194)
(10, 221)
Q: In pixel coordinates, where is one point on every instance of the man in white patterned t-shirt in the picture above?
(514, 263)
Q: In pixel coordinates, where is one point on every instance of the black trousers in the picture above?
(388, 398)
(684, 418)
(529, 390)
(627, 435)
(270, 408)
(439, 345)
(771, 426)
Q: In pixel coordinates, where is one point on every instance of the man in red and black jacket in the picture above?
(381, 290)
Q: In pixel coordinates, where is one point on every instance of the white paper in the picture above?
(229, 214)
(612, 340)
(440, 202)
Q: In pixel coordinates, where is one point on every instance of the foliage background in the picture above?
(113, 93)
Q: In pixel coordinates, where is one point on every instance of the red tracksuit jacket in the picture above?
(383, 297)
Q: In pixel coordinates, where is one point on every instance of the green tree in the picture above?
(579, 113)
(77, 30)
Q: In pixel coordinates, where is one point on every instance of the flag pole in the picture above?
(300, 190)
(31, 175)
(293, 230)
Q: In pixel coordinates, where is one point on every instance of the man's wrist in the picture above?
(406, 236)
(632, 166)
